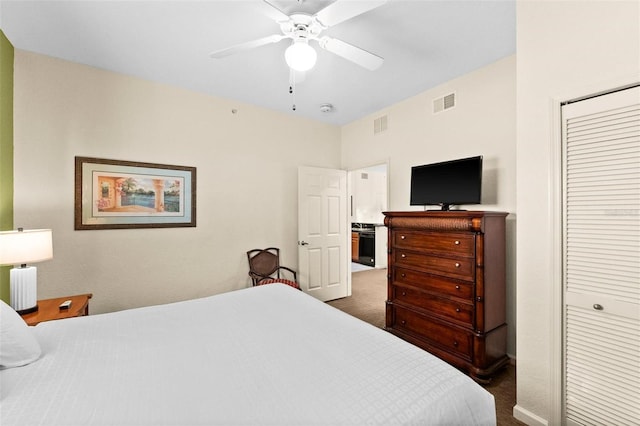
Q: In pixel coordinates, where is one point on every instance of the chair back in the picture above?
(263, 263)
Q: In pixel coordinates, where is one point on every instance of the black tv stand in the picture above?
(444, 208)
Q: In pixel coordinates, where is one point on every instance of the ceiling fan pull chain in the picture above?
(292, 86)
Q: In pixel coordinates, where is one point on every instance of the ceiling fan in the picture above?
(302, 28)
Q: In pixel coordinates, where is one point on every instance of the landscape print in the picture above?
(133, 194)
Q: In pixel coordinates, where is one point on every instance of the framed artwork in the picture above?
(113, 194)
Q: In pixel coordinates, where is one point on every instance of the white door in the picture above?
(601, 215)
(322, 232)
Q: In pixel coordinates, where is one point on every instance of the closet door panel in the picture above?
(601, 249)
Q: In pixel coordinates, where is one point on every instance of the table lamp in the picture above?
(19, 248)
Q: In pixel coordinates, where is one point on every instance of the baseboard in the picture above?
(524, 415)
(528, 417)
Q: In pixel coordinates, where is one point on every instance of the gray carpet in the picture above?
(367, 302)
(368, 295)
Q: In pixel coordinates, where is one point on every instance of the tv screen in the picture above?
(446, 183)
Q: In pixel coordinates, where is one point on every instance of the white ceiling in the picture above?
(424, 43)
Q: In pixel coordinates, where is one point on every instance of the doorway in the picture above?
(368, 198)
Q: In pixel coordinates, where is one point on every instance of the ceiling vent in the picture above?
(380, 125)
(444, 103)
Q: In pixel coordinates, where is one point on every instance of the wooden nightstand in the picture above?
(49, 309)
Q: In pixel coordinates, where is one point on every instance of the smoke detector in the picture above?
(326, 108)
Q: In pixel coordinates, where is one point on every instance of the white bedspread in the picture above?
(268, 355)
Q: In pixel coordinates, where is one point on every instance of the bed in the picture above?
(267, 355)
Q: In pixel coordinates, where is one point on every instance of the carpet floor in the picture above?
(367, 302)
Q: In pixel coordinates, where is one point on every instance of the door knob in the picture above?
(303, 243)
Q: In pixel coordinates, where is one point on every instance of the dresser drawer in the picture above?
(442, 307)
(444, 286)
(449, 338)
(457, 244)
(461, 268)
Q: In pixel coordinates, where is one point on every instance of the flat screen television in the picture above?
(447, 183)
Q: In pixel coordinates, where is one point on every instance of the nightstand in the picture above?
(49, 309)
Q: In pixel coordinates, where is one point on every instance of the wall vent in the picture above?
(444, 103)
(364, 175)
(380, 125)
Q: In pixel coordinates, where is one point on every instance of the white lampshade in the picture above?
(300, 56)
(19, 248)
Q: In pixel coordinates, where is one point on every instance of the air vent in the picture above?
(444, 103)
(380, 125)
(364, 175)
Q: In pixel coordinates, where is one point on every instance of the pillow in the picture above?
(18, 345)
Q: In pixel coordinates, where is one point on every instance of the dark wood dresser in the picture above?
(446, 286)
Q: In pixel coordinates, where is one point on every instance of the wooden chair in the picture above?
(264, 268)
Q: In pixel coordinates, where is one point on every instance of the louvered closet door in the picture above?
(601, 149)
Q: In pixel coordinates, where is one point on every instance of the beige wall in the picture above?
(481, 123)
(247, 179)
(565, 50)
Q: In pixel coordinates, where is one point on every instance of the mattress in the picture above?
(267, 355)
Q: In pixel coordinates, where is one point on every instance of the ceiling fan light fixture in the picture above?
(300, 56)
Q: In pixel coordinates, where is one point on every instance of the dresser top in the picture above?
(445, 214)
(454, 220)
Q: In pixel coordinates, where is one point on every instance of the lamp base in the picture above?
(23, 293)
(28, 310)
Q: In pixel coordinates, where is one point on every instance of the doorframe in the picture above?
(556, 227)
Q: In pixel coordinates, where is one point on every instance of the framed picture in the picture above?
(112, 194)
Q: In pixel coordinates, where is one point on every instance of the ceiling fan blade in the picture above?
(341, 10)
(275, 13)
(246, 46)
(354, 54)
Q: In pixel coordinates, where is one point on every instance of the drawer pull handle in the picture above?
(402, 237)
(403, 255)
(404, 293)
(457, 243)
(598, 307)
(403, 322)
(457, 309)
(457, 287)
(403, 275)
(457, 265)
(455, 343)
